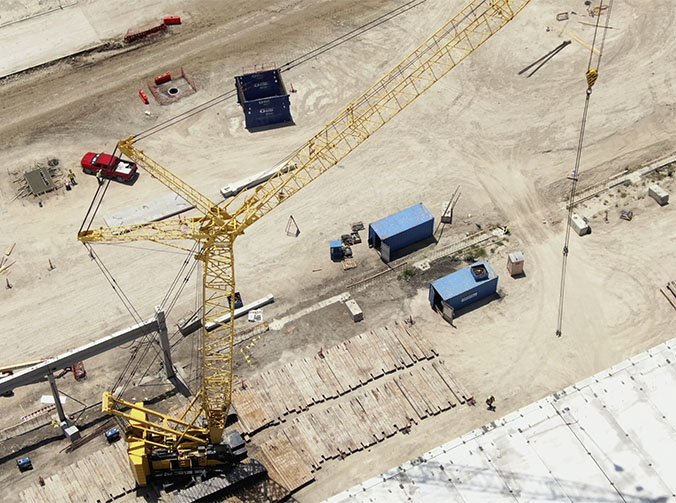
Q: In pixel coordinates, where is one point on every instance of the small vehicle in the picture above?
(24, 464)
(112, 435)
(109, 166)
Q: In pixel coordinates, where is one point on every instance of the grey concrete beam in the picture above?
(37, 372)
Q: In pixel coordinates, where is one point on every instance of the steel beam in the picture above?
(39, 371)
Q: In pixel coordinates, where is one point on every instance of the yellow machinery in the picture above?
(159, 442)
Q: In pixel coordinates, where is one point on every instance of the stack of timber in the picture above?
(299, 447)
(99, 478)
(275, 394)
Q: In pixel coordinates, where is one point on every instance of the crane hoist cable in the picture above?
(591, 76)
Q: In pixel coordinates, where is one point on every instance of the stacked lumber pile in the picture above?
(99, 478)
(301, 445)
(292, 388)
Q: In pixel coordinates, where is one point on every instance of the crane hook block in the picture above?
(592, 75)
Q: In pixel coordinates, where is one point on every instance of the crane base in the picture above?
(208, 482)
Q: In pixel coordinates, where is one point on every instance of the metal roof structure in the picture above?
(402, 221)
(609, 438)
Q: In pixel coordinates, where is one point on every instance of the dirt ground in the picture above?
(507, 140)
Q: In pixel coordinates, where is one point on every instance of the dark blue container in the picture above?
(336, 246)
(463, 287)
(264, 98)
(400, 230)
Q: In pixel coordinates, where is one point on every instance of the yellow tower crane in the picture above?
(160, 442)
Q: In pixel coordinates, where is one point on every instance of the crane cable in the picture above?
(591, 76)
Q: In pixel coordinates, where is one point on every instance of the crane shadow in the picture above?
(544, 59)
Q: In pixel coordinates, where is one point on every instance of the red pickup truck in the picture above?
(110, 166)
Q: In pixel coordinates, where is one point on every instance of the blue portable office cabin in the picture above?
(463, 287)
(264, 98)
(402, 229)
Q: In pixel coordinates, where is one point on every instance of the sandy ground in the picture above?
(507, 140)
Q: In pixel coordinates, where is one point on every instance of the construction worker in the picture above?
(507, 231)
(99, 177)
(490, 401)
(71, 177)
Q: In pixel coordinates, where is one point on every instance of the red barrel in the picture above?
(143, 96)
(161, 79)
(172, 20)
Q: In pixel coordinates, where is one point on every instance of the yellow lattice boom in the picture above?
(217, 228)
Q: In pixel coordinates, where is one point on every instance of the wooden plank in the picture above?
(315, 448)
(357, 376)
(251, 413)
(293, 472)
(270, 392)
(299, 443)
(121, 458)
(419, 340)
(411, 396)
(367, 438)
(404, 412)
(444, 391)
(67, 484)
(352, 423)
(385, 412)
(292, 394)
(372, 349)
(330, 446)
(399, 355)
(443, 371)
(321, 393)
(339, 432)
(360, 359)
(327, 377)
(91, 477)
(75, 490)
(57, 489)
(438, 397)
(110, 473)
(389, 361)
(426, 391)
(406, 342)
(344, 423)
(362, 433)
(295, 371)
(367, 403)
(339, 368)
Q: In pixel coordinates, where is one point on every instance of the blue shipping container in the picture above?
(462, 288)
(400, 230)
(264, 98)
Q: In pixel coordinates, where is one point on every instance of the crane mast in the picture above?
(217, 228)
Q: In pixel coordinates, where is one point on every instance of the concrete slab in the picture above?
(150, 211)
(41, 39)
